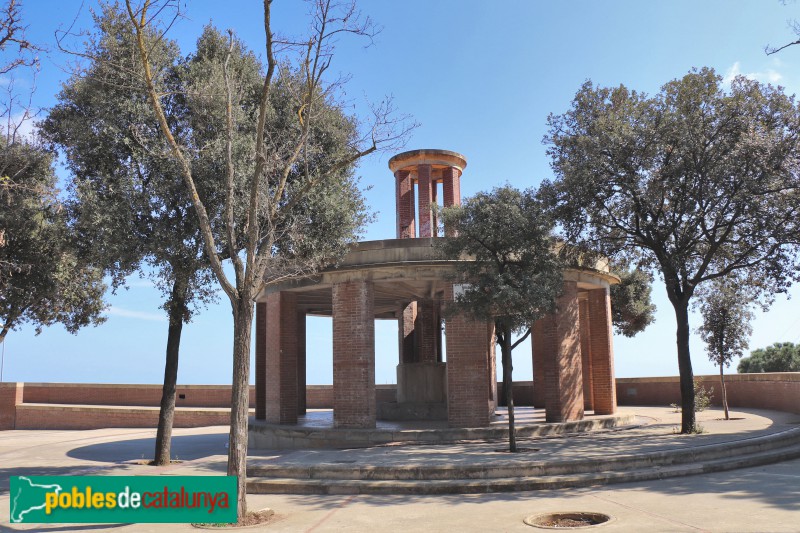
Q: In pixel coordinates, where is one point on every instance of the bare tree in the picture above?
(258, 207)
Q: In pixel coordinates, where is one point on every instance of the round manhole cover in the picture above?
(567, 520)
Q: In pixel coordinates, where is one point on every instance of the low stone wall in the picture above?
(61, 416)
(78, 406)
(132, 395)
(10, 398)
(779, 391)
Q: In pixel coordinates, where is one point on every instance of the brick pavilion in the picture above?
(404, 279)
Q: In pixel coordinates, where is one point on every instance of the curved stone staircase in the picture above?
(434, 474)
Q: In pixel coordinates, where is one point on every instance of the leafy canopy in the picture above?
(694, 182)
(780, 357)
(43, 277)
(632, 309)
(509, 269)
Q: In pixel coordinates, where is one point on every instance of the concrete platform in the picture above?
(755, 499)
(315, 430)
(552, 459)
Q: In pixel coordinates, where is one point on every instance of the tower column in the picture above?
(261, 360)
(301, 362)
(353, 355)
(468, 392)
(602, 352)
(538, 348)
(451, 190)
(562, 359)
(425, 184)
(404, 196)
(586, 352)
(428, 331)
(281, 358)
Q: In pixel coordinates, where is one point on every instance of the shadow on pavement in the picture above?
(184, 448)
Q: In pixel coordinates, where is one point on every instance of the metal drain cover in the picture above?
(568, 520)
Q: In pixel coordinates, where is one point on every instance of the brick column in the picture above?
(407, 315)
(467, 371)
(427, 331)
(261, 361)
(451, 190)
(562, 359)
(586, 353)
(281, 358)
(602, 351)
(538, 348)
(426, 185)
(451, 186)
(301, 362)
(10, 398)
(404, 190)
(353, 355)
(492, 354)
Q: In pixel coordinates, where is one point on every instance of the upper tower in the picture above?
(427, 169)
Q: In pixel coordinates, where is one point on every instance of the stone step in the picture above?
(261, 485)
(534, 468)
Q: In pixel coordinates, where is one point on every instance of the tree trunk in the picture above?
(177, 312)
(508, 385)
(688, 421)
(724, 392)
(240, 398)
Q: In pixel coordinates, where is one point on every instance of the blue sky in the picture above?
(481, 78)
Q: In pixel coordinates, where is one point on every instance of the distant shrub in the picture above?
(780, 357)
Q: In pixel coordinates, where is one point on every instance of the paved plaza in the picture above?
(760, 499)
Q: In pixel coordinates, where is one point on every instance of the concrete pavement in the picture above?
(761, 499)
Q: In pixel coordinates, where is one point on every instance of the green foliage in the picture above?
(632, 309)
(131, 203)
(693, 183)
(780, 357)
(702, 401)
(44, 279)
(513, 276)
(725, 308)
(505, 263)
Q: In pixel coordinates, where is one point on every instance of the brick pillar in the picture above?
(492, 353)
(404, 191)
(426, 185)
(467, 371)
(428, 330)
(10, 398)
(261, 361)
(451, 190)
(281, 358)
(353, 355)
(301, 362)
(538, 349)
(407, 315)
(451, 186)
(602, 351)
(562, 359)
(434, 201)
(586, 353)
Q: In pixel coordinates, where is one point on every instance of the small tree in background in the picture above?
(780, 357)
(726, 312)
(514, 278)
(632, 309)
